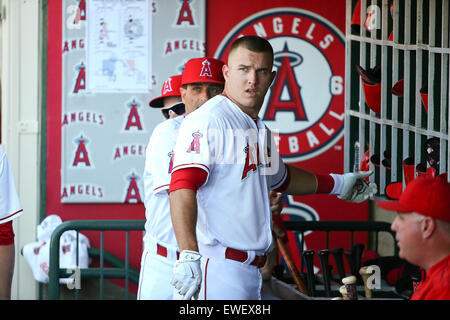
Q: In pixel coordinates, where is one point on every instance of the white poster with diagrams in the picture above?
(119, 46)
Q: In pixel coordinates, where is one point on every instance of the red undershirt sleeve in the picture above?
(325, 183)
(188, 178)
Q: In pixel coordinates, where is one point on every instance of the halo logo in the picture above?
(305, 103)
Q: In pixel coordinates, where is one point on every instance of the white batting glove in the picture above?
(187, 274)
(355, 188)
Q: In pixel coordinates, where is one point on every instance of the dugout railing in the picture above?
(119, 269)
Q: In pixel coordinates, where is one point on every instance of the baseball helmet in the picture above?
(170, 88)
(371, 81)
(424, 95)
(398, 88)
(203, 70)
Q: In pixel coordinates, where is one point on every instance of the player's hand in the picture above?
(276, 204)
(187, 274)
(356, 189)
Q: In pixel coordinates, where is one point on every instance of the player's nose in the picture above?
(251, 77)
(204, 94)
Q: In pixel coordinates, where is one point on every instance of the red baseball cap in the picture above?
(203, 70)
(424, 195)
(170, 88)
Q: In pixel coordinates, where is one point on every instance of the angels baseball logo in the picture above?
(195, 144)
(305, 104)
(167, 86)
(206, 69)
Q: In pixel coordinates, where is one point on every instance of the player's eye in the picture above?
(262, 71)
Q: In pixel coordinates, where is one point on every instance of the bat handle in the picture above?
(337, 254)
(309, 258)
(358, 249)
(365, 274)
(350, 256)
(350, 286)
(323, 256)
(291, 265)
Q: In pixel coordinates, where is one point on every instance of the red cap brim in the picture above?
(393, 206)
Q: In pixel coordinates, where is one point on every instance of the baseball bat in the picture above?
(358, 249)
(365, 274)
(350, 286)
(343, 292)
(291, 265)
(323, 256)
(309, 258)
(350, 256)
(337, 254)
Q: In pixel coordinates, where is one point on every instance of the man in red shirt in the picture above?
(422, 229)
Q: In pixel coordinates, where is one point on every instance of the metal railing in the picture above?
(120, 269)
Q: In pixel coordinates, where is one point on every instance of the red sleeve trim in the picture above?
(164, 186)
(10, 217)
(6, 234)
(325, 183)
(188, 178)
(190, 165)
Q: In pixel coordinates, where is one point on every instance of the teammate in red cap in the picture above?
(169, 101)
(422, 228)
(201, 80)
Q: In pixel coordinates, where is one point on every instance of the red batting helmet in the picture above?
(371, 81)
(203, 70)
(170, 88)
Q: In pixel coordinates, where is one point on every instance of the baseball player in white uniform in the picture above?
(10, 208)
(225, 163)
(202, 79)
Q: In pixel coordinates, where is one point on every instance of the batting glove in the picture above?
(187, 274)
(355, 188)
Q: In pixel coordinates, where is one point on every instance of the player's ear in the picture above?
(428, 225)
(225, 71)
(183, 92)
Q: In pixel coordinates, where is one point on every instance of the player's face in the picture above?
(407, 227)
(196, 94)
(248, 76)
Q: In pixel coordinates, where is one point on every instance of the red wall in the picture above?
(222, 16)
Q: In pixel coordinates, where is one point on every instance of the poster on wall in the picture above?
(115, 58)
(118, 46)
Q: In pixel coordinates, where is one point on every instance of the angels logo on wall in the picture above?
(305, 103)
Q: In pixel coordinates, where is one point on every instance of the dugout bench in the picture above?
(122, 270)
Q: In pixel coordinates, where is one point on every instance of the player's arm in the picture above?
(183, 208)
(350, 186)
(301, 182)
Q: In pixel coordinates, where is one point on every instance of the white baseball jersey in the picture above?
(157, 172)
(156, 270)
(242, 163)
(10, 207)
